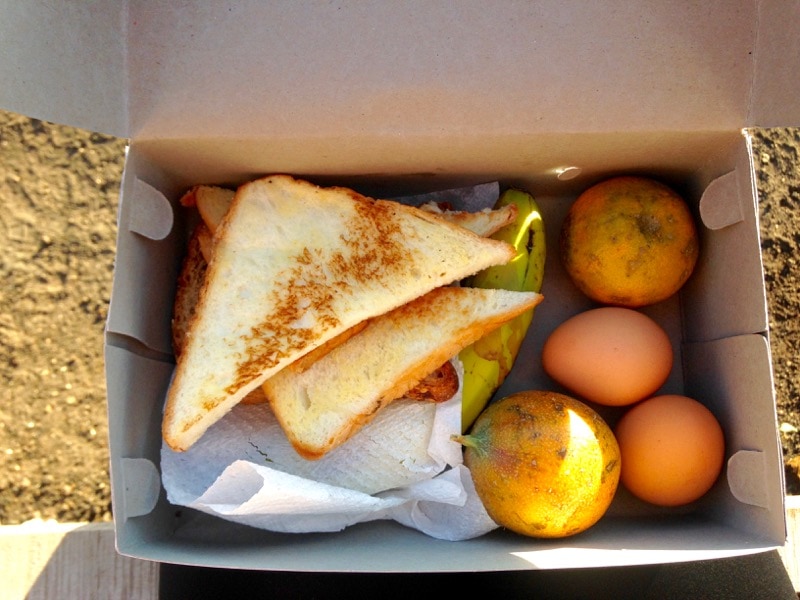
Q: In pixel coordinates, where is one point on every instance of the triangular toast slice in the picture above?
(483, 222)
(212, 203)
(322, 406)
(293, 266)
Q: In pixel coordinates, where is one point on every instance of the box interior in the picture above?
(392, 100)
(718, 327)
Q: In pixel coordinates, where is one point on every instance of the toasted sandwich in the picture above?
(293, 266)
(323, 405)
(213, 202)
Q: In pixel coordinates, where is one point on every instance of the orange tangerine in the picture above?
(629, 241)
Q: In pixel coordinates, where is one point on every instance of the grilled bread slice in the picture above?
(438, 386)
(293, 266)
(322, 406)
(190, 282)
(213, 202)
(483, 222)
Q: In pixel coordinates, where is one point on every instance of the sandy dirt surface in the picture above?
(59, 186)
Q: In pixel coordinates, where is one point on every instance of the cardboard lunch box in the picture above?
(400, 98)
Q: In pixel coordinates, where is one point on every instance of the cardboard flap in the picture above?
(776, 85)
(371, 69)
(742, 371)
(148, 234)
(136, 386)
(65, 62)
(306, 68)
(730, 236)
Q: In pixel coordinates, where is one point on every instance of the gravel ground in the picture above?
(59, 189)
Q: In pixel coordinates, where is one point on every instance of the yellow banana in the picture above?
(488, 361)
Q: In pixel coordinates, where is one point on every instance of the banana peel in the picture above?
(488, 361)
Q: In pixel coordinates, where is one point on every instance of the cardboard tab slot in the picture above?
(142, 487)
(747, 478)
(720, 205)
(151, 214)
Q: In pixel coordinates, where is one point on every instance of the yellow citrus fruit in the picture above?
(544, 464)
(629, 241)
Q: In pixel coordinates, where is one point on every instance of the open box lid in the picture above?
(254, 69)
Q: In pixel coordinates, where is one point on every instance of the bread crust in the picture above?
(190, 282)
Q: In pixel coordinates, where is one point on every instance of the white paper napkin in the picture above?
(401, 466)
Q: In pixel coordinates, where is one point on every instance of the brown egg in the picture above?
(672, 450)
(612, 356)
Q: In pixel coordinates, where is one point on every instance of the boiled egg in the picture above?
(672, 449)
(610, 355)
